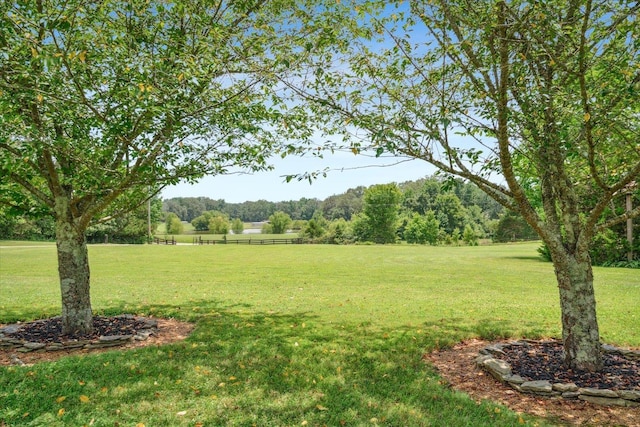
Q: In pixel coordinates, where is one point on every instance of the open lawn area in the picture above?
(290, 335)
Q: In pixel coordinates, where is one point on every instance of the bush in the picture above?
(512, 227)
(313, 230)
(237, 226)
(174, 225)
(279, 221)
(339, 233)
(422, 229)
(609, 249)
(470, 236)
(219, 225)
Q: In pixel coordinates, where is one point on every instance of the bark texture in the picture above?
(73, 269)
(580, 333)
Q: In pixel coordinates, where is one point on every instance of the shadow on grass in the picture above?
(241, 367)
(537, 258)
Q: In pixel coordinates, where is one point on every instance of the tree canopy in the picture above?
(536, 103)
(104, 103)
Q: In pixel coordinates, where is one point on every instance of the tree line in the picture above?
(431, 211)
(450, 208)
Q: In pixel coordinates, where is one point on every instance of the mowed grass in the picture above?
(290, 335)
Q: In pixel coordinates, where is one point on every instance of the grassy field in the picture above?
(290, 335)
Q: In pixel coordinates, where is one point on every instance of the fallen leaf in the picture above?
(321, 408)
(84, 399)
(61, 399)
(60, 412)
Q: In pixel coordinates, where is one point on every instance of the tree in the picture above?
(343, 205)
(174, 225)
(134, 227)
(219, 224)
(535, 103)
(512, 227)
(279, 222)
(104, 103)
(379, 218)
(313, 229)
(200, 223)
(450, 212)
(422, 229)
(237, 226)
(470, 235)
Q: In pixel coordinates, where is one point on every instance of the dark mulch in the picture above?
(50, 330)
(544, 361)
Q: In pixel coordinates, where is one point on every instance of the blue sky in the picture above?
(347, 171)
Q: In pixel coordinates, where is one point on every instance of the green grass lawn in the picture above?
(290, 335)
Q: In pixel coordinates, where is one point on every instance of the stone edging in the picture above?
(501, 370)
(149, 328)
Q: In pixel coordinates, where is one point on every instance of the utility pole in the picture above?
(628, 193)
(149, 220)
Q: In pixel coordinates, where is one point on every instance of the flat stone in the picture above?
(606, 401)
(515, 379)
(498, 368)
(34, 345)
(10, 329)
(116, 338)
(541, 386)
(126, 316)
(598, 392)
(75, 344)
(610, 348)
(143, 335)
(565, 387)
(496, 348)
(150, 323)
(55, 346)
(571, 394)
(629, 394)
(482, 358)
(98, 344)
(631, 354)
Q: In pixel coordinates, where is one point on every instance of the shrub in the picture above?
(174, 225)
(237, 226)
(422, 229)
(609, 249)
(313, 230)
(219, 225)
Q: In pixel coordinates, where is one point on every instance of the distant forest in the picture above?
(417, 196)
(455, 204)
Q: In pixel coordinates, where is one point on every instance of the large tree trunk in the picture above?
(580, 335)
(73, 269)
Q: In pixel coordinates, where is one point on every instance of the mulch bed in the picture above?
(544, 361)
(50, 330)
(458, 367)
